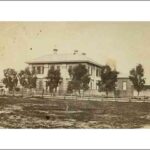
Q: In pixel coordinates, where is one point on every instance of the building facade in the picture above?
(124, 87)
(42, 64)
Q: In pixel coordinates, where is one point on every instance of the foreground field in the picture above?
(52, 113)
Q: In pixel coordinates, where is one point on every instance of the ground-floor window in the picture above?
(124, 87)
(40, 84)
(91, 85)
(97, 85)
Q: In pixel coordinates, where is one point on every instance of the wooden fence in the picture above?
(47, 94)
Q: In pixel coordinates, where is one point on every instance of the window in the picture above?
(91, 70)
(40, 84)
(40, 69)
(97, 72)
(70, 67)
(91, 85)
(117, 87)
(33, 69)
(124, 86)
(97, 85)
(58, 67)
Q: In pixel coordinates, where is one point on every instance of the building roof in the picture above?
(63, 58)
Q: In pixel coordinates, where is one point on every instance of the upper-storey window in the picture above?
(33, 69)
(91, 70)
(58, 67)
(40, 69)
(88, 69)
(70, 67)
(51, 66)
(97, 72)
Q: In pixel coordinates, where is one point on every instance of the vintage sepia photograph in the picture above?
(76, 75)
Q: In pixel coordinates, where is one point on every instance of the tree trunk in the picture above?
(79, 92)
(42, 93)
(138, 93)
(31, 92)
(106, 93)
(55, 91)
(13, 92)
(22, 91)
(76, 95)
(50, 90)
(115, 93)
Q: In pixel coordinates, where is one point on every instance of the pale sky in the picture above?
(124, 44)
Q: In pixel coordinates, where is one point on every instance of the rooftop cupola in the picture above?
(55, 51)
(75, 52)
(84, 54)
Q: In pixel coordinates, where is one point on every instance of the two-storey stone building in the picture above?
(64, 61)
(41, 65)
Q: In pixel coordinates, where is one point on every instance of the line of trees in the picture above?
(26, 78)
(79, 79)
(109, 79)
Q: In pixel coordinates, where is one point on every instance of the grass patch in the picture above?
(17, 112)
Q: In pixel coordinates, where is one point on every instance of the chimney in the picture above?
(75, 52)
(55, 51)
(84, 54)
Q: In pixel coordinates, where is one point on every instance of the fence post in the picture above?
(22, 91)
(129, 99)
(64, 97)
(42, 93)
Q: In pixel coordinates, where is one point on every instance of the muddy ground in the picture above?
(17, 112)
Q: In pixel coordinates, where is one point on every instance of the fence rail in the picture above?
(47, 94)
